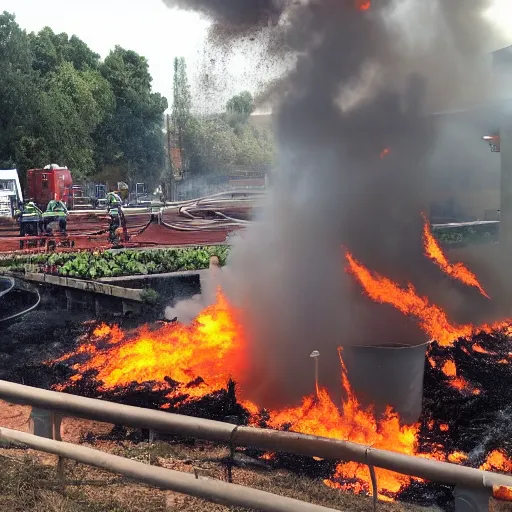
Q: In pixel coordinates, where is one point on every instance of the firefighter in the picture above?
(117, 218)
(55, 211)
(114, 200)
(29, 216)
(114, 224)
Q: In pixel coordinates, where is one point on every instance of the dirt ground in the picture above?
(28, 480)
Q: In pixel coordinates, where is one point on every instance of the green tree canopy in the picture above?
(213, 146)
(60, 103)
(222, 143)
(242, 104)
(131, 136)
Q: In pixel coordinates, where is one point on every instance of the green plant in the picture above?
(150, 297)
(94, 265)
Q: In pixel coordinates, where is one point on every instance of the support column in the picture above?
(506, 188)
(506, 200)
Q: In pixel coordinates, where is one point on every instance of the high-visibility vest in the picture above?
(55, 209)
(113, 199)
(30, 212)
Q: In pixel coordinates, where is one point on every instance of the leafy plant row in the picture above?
(92, 265)
(468, 235)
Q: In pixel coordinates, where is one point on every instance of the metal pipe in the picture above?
(212, 490)
(326, 448)
(109, 412)
(263, 439)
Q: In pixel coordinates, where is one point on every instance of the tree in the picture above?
(59, 104)
(239, 108)
(51, 50)
(131, 137)
(18, 91)
(214, 147)
(182, 101)
(72, 106)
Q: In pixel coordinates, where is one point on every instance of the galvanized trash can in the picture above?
(388, 375)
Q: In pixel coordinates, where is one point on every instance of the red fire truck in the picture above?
(52, 182)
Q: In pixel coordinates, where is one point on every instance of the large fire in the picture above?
(318, 415)
(198, 359)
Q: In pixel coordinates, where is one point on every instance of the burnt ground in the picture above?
(477, 424)
(42, 335)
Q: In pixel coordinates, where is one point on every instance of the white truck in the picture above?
(10, 192)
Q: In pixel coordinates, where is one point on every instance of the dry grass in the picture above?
(28, 482)
(28, 479)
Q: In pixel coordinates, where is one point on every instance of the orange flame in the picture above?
(211, 349)
(456, 270)
(385, 152)
(449, 368)
(457, 457)
(202, 356)
(318, 415)
(432, 319)
(460, 383)
(479, 349)
(497, 460)
(502, 493)
(363, 5)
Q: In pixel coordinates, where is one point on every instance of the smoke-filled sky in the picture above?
(363, 82)
(160, 34)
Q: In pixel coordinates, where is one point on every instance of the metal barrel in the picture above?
(391, 375)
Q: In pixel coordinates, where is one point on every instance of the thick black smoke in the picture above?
(354, 143)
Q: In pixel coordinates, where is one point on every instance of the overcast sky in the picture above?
(160, 34)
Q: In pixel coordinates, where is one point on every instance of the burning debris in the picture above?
(192, 369)
(185, 369)
(184, 362)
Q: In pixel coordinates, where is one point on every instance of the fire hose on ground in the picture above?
(264, 439)
(8, 285)
(19, 314)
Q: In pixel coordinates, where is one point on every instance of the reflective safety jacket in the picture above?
(55, 209)
(113, 200)
(28, 212)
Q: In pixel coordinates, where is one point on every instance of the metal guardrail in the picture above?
(270, 440)
(209, 489)
(453, 225)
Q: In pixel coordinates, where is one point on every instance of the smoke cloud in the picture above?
(234, 13)
(354, 142)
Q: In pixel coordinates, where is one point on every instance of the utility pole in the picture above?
(169, 151)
